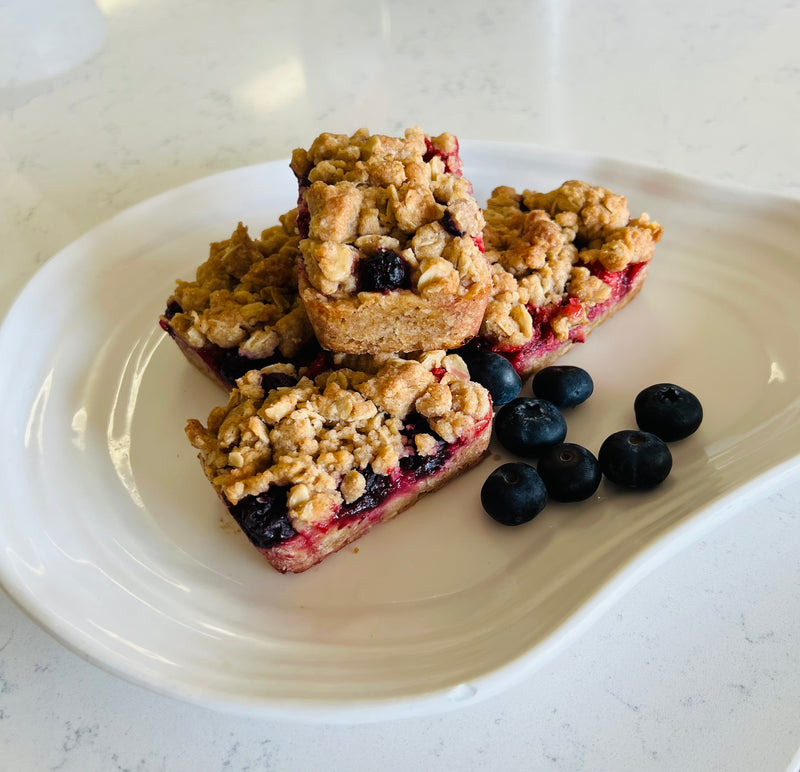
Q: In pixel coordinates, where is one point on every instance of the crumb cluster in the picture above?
(366, 193)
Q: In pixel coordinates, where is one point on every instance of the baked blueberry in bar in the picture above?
(562, 262)
(392, 252)
(307, 468)
(242, 311)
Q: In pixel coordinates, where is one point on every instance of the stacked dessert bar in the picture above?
(562, 262)
(334, 331)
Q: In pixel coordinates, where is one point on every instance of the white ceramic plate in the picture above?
(114, 542)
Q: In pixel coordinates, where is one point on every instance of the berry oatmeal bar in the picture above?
(392, 253)
(562, 262)
(307, 468)
(243, 310)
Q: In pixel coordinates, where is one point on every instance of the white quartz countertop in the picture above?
(697, 667)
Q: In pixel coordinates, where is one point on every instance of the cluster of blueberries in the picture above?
(534, 427)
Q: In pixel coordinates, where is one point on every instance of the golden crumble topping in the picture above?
(318, 437)
(539, 246)
(367, 193)
(245, 295)
(597, 210)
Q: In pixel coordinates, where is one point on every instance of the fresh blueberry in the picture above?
(382, 272)
(563, 385)
(513, 494)
(497, 374)
(570, 472)
(668, 411)
(635, 459)
(527, 426)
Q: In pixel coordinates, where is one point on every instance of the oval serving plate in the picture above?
(114, 542)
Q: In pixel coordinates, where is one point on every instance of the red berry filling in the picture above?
(452, 160)
(544, 340)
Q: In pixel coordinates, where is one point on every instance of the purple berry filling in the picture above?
(264, 518)
(581, 242)
(232, 365)
(379, 486)
(383, 272)
(449, 224)
(303, 221)
(270, 381)
(417, 467)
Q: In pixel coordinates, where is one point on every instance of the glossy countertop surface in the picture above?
(104, 106)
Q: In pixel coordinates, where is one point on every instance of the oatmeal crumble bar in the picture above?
(392, 250)
(306, 468)
(561, 263)
(243, 310)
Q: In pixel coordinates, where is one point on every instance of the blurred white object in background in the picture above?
(44, 38)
